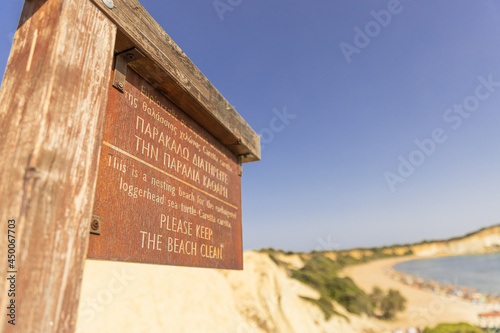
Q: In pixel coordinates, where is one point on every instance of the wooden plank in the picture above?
(170, 71)
(52, 104)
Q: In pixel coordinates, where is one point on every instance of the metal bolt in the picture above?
(130, 56)
(120, 84)
(95, 224)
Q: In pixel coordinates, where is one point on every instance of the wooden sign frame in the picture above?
(52, 106)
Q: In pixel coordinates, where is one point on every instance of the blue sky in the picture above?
(322, 182)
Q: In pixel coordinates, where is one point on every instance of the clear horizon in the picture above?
(377, 120)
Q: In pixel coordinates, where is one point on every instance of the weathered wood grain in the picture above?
(52, 103)
(170, 71)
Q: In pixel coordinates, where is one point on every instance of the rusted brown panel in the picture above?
(52, 104)
(158, 167)
(172, 72)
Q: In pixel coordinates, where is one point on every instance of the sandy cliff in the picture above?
(121, 297)
(125, 297)
(483, 241)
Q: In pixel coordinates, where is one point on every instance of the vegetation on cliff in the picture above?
(322, 274)
(454, 328)
(390, 303)
(321, 269)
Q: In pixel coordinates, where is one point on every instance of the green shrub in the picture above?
(454, 328)
(349, 295)
(326, 307)
(316, 272)
(346, 260)
(377, 296)
(392, 304)
(321, 273)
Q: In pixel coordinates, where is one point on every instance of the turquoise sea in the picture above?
(478, 271)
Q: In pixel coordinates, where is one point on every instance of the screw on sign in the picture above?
(95, 225)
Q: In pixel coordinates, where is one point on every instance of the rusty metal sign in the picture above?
(167, 191)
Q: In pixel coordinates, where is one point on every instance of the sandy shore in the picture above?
(423, 308)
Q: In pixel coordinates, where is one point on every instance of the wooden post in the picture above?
(52, 103)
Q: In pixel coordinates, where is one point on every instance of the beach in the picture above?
(423, 308)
